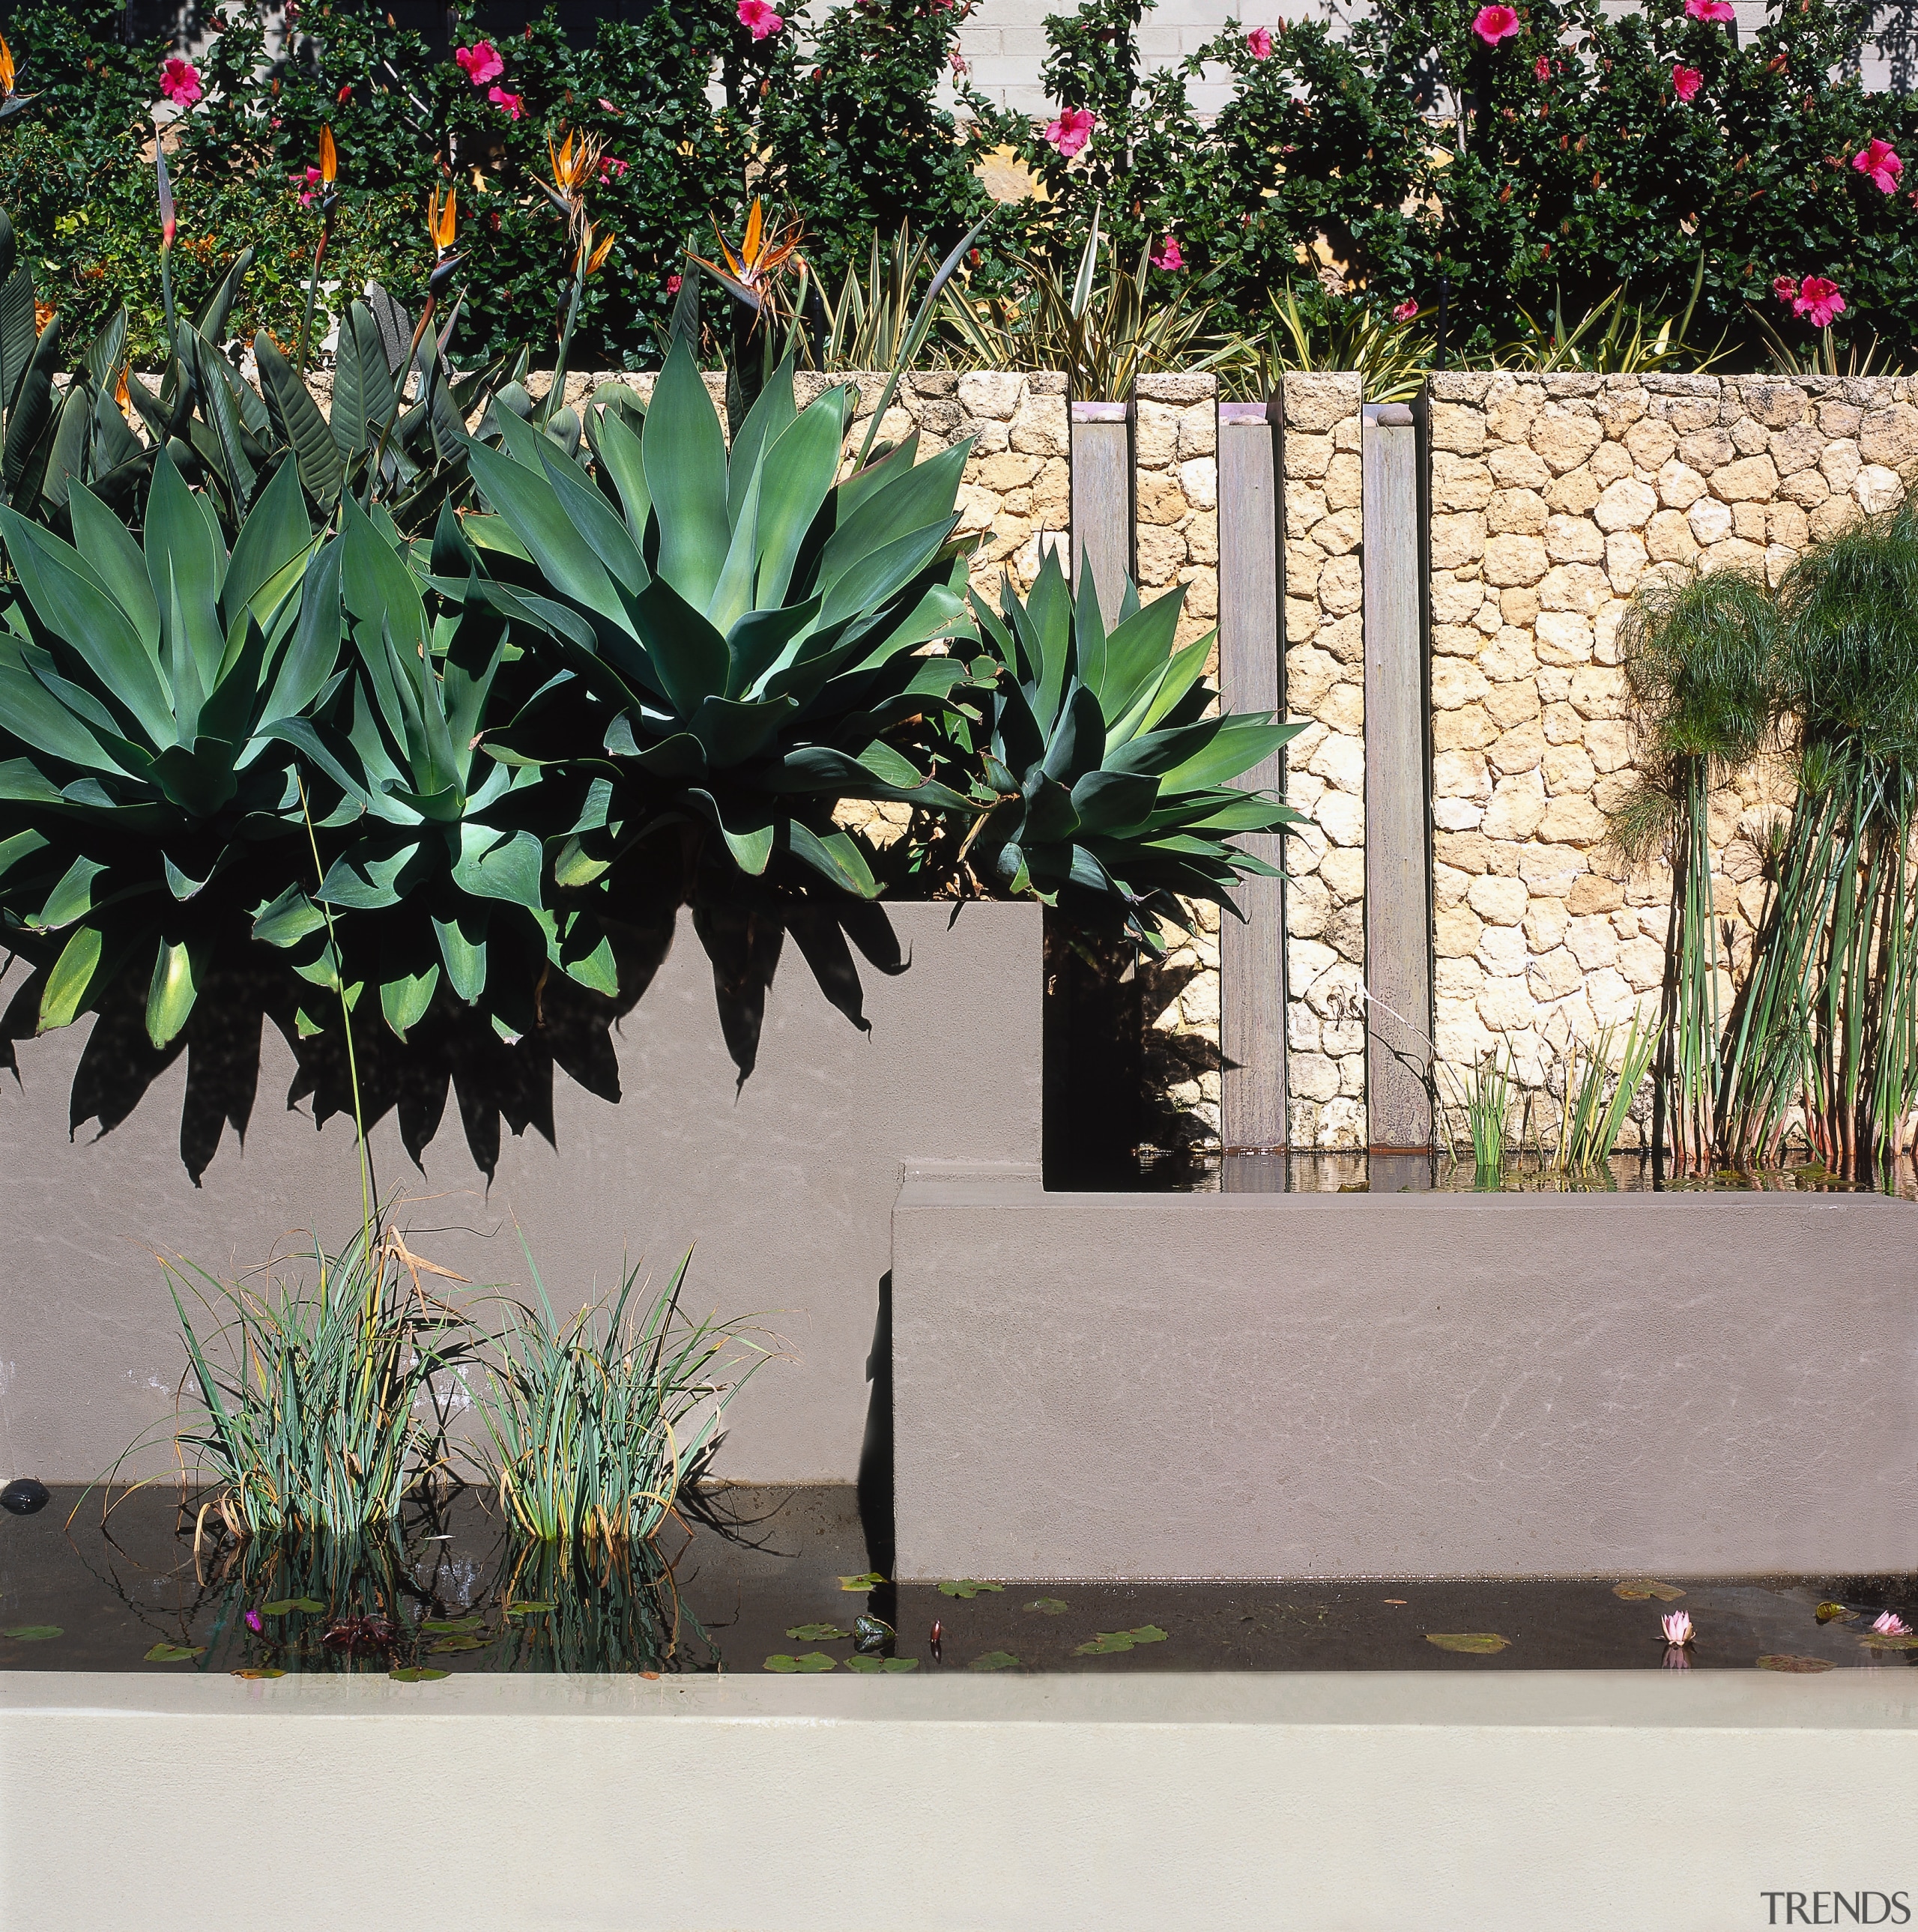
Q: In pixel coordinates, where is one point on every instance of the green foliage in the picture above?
(322, 1417)
(1107, 784)
(742, 626)
(1485, 1098)
(1592, 1117)
(596, 1423)
(144, 694)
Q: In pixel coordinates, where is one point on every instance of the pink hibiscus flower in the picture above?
(1818, 301)
(1875, 161)
(1407, 310)
(481, 62)
(611, 170)
(1168, 256)
(957, 61)
(1071, 131)
(672, 283)
(759, 20)
(1541, 69)
(179, 80)
(1260, 41)
(1494, 24)
(1715, 12)
(1685, 81)
(312, 180)
(511, 105)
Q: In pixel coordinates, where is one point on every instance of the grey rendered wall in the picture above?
(1246, 1385)
(785, 1184)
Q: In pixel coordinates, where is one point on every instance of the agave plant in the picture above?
(140, 692)
(1108, 787)
(444, 841)
(744, 625)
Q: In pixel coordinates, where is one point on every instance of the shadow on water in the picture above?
(758, 1579)
(455, 1054)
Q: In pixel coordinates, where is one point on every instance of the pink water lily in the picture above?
(759, 20)
(1879, 165)
(1892, 1625)
(1168, 257)
(1260, 41)
(511, 105)
(1494, 24)
(481, 62)
(1407, 310)
(1071, 131)
(1677, 1627)
(1818, 301)
(1685, 81)
(179, 80)
(1716, 13)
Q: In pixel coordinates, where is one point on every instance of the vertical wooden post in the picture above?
(1102, 506)
(1252, 980)
(1398, 959)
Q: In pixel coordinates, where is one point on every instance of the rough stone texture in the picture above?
(1552, 497)
(1325, 687)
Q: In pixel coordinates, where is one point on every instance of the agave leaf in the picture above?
(617, 446)
(71, 983)
(772, 411)
(684, 456)
(531, 509)
(178, 966)
(31, 412)
(495, 865)
(296, 419)
(795, 478)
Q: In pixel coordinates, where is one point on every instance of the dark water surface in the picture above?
(729, 1597)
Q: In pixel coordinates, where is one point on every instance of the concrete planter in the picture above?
(1277, 1386)
(784, 1179)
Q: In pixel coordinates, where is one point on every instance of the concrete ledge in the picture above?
(711, 1804)
(1242, 1385)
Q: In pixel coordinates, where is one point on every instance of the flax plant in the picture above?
(1829, 1016)
(326, 1418)
(596, 1423)
(1698, 656)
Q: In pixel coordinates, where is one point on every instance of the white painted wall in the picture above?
(1004, 40)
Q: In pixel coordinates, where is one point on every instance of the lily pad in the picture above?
(818, 1633)
(873, 1633)
(1879, 1640)
(966, 1587)
(174, 1653)
(1641, 1589)
(813, 1659)
(871, 1580)
(1112, 1643)
(529, 1610)
(870, 1667)
(418, 1673)
(467, 1643)
(312, 1607)
(1471, 1643)
(33, 1633)
(262, 1670)
(994, 1660)
(1829, 1613)
(1798, 1665)
(451, 1626)
(1049, 1607)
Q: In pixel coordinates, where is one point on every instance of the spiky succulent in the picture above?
(1107, 783)
(744, 626)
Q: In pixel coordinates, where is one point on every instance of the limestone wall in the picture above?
(1552, 497)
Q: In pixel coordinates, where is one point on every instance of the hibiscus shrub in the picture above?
(1519, 157)
(1516, 158)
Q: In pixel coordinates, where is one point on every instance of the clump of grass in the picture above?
(596, 1423)
(324, 1418)
(1485, 1100)
(1596, 1104)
